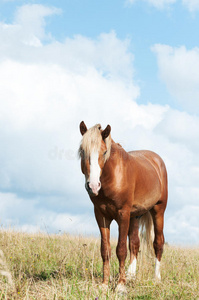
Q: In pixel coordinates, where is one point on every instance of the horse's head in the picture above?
(94, 152)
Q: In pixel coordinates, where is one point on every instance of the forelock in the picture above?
(91, 140)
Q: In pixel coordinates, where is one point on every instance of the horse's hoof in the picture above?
(130, 277)
(121, 289)
(104, 287)
(158, 279)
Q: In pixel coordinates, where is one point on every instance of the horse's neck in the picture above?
(118, 153)
(114, 170)
(117, 156)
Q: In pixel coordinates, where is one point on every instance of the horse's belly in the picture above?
(139, 209)
(145, 201)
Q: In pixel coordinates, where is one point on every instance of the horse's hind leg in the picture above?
(158, 218)
(134, 244)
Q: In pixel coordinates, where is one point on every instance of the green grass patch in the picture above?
(41, 266)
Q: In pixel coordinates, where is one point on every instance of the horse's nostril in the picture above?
(93, 188)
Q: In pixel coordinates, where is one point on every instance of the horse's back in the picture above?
(144, 153)
(143, 156)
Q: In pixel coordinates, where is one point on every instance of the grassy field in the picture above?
(42, 266)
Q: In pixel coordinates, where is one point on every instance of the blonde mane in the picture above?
(91, 141)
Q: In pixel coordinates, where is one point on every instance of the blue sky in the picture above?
(133, 64)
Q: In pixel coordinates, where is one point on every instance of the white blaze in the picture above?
(94, 172)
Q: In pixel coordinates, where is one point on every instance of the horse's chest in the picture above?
(108, 209)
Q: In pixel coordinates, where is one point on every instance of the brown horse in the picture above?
(126, 187)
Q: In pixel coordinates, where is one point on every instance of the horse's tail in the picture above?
(147, 230)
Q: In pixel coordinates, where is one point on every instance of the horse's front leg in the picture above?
(104, 226)
(121, 250)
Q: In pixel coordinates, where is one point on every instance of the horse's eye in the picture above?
(105, 153)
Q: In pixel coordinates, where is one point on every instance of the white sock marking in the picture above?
(157, 269)
(121, 289)
(131, 273)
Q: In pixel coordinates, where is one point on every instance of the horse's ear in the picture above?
(82, 127)
(106, 132)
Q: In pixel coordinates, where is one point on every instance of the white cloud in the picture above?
(36, 218)
(45, 93)
(28, 15)
(46, 90)
(27, 28)
(185, 220)
(178, 68)
(192, 5)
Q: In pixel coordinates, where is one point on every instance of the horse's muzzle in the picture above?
(93, 189)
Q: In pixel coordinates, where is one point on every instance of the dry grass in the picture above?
(41, 266)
